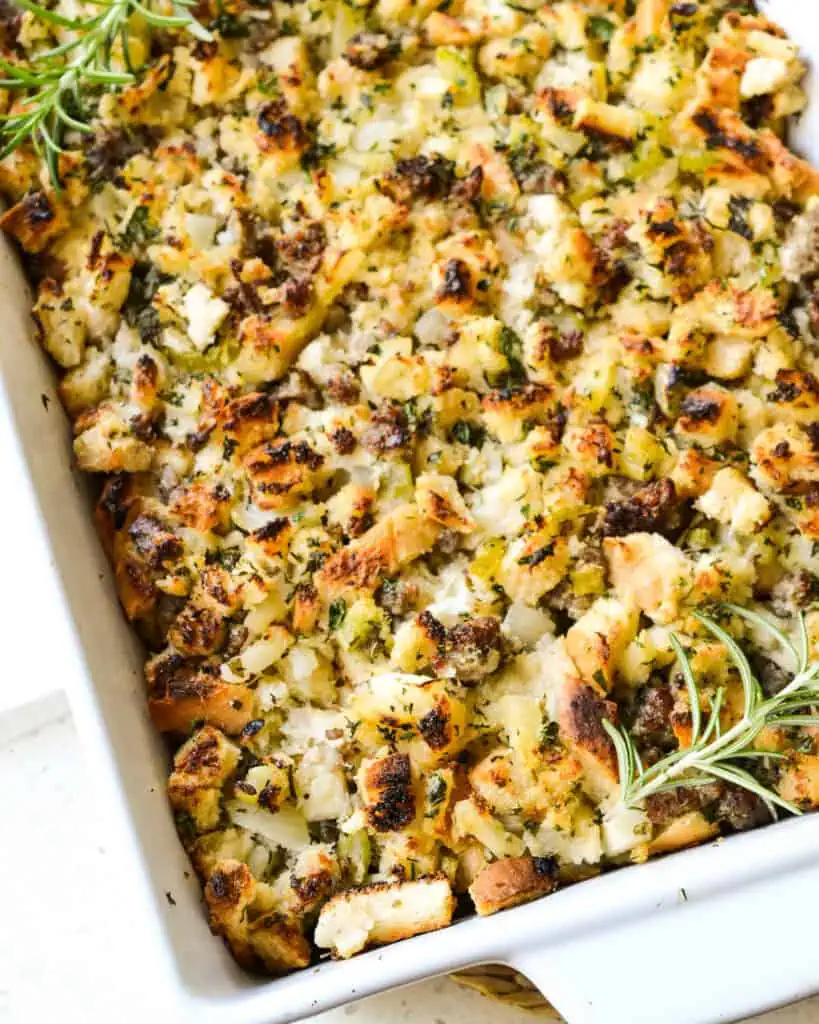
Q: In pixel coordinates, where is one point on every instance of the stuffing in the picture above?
(580, 711)
(230, 893)
(386, 787)
(436, 364)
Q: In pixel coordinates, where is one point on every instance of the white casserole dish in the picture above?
(714, 934)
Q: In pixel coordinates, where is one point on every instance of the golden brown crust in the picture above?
(512, 881)
(182, 696)
(387, 788)
(580, 715)
(34, 221)
(399, 538)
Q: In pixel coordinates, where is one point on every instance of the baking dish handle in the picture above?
(695, 959)
(627, 977)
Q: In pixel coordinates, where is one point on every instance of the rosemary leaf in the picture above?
(714, 754)
(72, 68)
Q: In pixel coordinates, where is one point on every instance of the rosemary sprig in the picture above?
(713, 754)
(57, 78)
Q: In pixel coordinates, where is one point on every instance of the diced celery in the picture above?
(355, 853)
(457, 68)
(486, 564)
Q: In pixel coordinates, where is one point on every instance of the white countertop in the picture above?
(71, 946)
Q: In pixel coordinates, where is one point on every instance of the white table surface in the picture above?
(71, 948)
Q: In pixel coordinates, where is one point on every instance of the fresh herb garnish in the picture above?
(139, 230)
(337, 614)
(472, 434)
(601, 28)
(512, 348)
(713, 754)
(58, 80)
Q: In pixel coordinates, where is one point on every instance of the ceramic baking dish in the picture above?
(713, 934)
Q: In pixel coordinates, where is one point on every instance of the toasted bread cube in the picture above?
(105, 444)
(616, 126)
(248, 420)
(734, 501)
(690, 829)
(386, 786)
(598, 640)
(649, 571)
(290, 61)
(708, 416)
(650, 17)
(435, 709)
(506, 413)
(268, 939)
(799, 780)
(385, 912)
(228, 893)
(399, 538)
(783, 458)
(519, 56)
(283, 472)
(796, 396)
(580, 711)
(35, 221)
(200, 769)
(471, 818)
(534, 565)
(63, 324)
(514, 880)
(181, 695)
(440, 500)
(693, 474)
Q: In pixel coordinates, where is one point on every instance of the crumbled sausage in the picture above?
(298, 386)
(796, 590)
(473, 648)
(114, 147)
(457, 283)
(468, 189)
(534, 175)
(652, 716)
(389, 430)
(663, 808)
(344, 388)
(343, 440)
(370, 50)
(741, 809)
(772, 676)
(646, 512)
(426, 177)
(301, 252)
(565, 345)
(397, 596)
(298, 292)
(153, 541)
